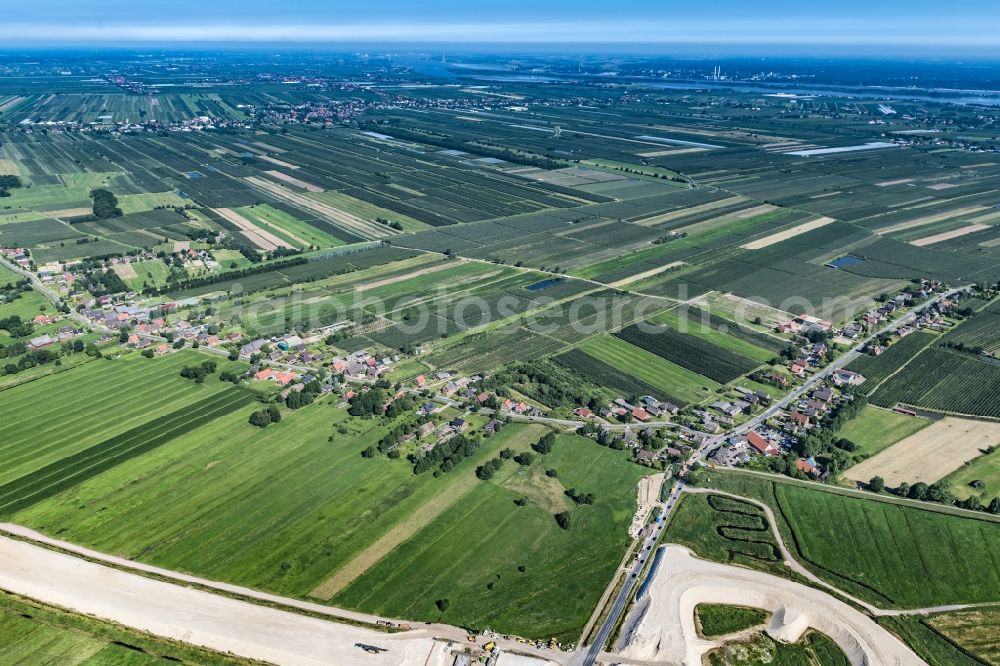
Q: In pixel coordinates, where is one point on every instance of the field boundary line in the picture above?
(862, 494)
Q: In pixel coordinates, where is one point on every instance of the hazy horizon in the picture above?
(968, 27)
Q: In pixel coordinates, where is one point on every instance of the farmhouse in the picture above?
(800, 419)
(252, 347)
(284, 378)
(642, 455)
(710, 426)
(807, 466)
(40, 341)
(848, 377)
(761, 444)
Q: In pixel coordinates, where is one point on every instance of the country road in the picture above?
(592, 652)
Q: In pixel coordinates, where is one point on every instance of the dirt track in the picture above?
(648, 496)
(666, 631)
(197, 617)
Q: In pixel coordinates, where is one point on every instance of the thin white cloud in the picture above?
(941, 32)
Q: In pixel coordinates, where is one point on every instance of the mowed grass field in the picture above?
(985, 469)
(875, 429)
(977, 630)
(56, 416)
(892, 554)
(28, 306)
(653, 370)
(472, 554)
(32, 633)
(9, 277)
(153, 273)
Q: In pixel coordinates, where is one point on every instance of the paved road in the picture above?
(823, 374)
(44, 290)
(592, 652)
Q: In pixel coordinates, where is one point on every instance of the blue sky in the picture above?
(932, 24)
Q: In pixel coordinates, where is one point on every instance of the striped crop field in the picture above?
(62, 414)
(72, 470)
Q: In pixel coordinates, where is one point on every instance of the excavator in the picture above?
(370, 649)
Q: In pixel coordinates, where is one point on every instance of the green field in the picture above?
(8, 277)
(657, 372)
(875, 429)
(284, 508)
(725, 530)
(471, 554)
(722, 619)
(74, 192)
(228, 257)
(365, 210)
(761, 649)
(33, 633)
(287, 227)
(280, 508)
(28, 306)
(937, 557)
(985, 469)
(153, 272)
(137, 203)
(62, 414)
(933, 647)
(976, 630)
